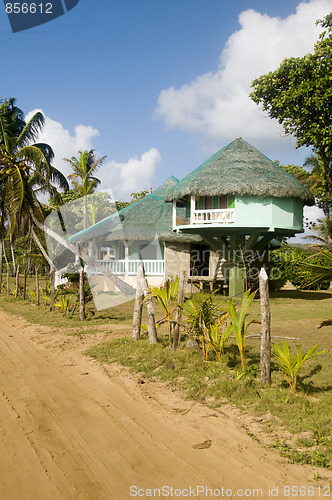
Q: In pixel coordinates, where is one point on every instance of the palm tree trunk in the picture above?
(17, 281)
(37, 286)
(5, 256)
(24, 283)
(13, 256)
(85, 213)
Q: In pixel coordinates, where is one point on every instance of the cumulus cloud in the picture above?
(132, 176)
(120, 178)
(63, 143)
(216, 105)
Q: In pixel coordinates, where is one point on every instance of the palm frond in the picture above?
(31, 130)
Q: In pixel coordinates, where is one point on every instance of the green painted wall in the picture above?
(270, 212)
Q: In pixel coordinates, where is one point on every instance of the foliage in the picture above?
(202, 312)
(65, 303)
(291, 363)
(323, 239)
(134, 197)
(319, 273)
(167, 297)
(299, 95)
(216, 335)
(238, 323)
(288, 264)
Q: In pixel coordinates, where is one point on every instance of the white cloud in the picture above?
(217, 105)
(62, 142)
(121, 178)
(130, 177)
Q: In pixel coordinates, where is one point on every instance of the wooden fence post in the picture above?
(178, 315)
(137, 319)
(152, 331)
(265, 327)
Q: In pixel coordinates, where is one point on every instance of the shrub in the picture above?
(286, 263)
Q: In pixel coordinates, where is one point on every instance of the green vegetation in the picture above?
(299, 95)
(287, 264)
(291, 364)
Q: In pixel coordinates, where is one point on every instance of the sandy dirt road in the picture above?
(71, 429)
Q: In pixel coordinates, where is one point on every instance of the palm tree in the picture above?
(25, 170)
(317, 183)
(83, 180)
(323, 240)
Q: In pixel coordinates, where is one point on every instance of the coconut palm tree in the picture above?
(25, 170)
(322, 240)
(83, 180)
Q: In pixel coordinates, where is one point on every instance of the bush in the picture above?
(286, 264)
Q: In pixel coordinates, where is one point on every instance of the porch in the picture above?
(126, 267)
(204, 210)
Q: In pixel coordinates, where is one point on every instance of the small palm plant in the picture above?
(202, 312)
(64, 303)
(216, 335)
(291, 363)
(238, 323)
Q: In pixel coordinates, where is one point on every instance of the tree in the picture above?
(83, 180)
(25, 170)
(299, 95)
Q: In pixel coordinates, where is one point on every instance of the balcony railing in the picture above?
(213, 216)
(130, 267)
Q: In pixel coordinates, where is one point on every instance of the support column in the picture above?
(192, 208)
(174, 215)
(126, 258)
(236, 272)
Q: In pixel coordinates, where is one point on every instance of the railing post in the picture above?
(126, 259)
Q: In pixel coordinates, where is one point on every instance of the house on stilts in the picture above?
(235, 204)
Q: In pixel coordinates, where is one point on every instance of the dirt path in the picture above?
(71, 429)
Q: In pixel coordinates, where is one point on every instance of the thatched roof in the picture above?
(145, 219)
(240, 169)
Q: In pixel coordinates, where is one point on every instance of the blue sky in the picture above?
(157, 86)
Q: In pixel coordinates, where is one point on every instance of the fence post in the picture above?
(17, 281)
(137, 319)
(152, 331)
(181, 293)
(265, 327)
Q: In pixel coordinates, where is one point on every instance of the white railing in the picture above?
(151, 267)
(210, 216)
